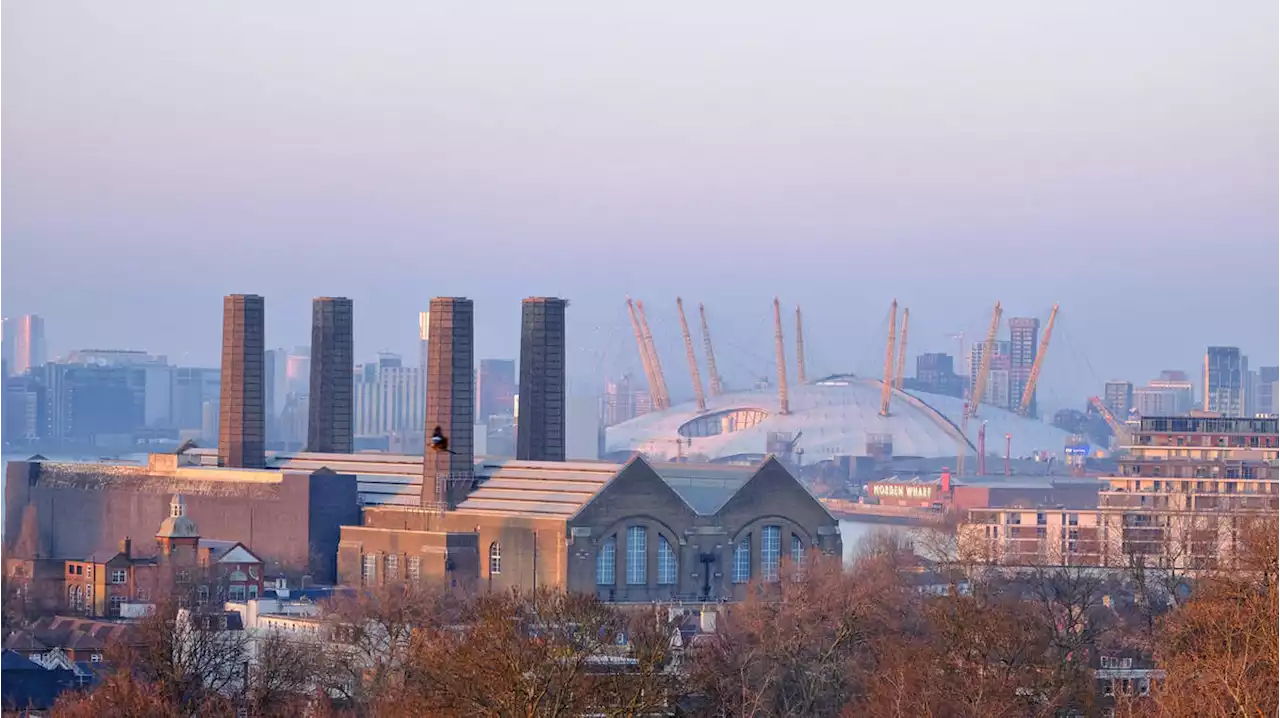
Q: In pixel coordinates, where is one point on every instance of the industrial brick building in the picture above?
(288, 518)
(629, 532)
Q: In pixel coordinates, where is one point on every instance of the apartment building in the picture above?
(1180, 499)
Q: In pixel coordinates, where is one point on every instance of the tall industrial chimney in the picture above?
(242, 415)
(451, 405)
(540, 432)
(331, 414)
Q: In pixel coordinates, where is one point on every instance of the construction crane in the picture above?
(1029, 393)
(663, 400)
(902, 350)
(1123, 437)
(712, 375)
(693, 361)
(886, 389)
(784, 405)
(984, 366)
(800, 376)
(982, 449)
(644, 355)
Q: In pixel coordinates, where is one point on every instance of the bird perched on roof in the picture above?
(439, 442)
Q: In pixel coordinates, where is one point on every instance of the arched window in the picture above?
(770, 552)
(495, 558)
(668, 564)
(742, 560)
(636, 568)
(606, 561)
(797, 550)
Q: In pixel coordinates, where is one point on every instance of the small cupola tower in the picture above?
(178, 533)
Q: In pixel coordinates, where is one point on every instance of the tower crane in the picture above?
(984, 366)
(902, 350)
(784, 405)
(663, 399)
(1123, 437)
(800, 376)
(693, 361)
(712, 375)
(1029, 393)
(645, 359)
(886, 388)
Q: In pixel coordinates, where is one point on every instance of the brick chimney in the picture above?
(126, 547)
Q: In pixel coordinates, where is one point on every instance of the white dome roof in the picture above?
(837, 416)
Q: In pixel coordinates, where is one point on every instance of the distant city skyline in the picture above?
(744, 364)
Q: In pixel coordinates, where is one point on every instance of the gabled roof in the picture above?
(705, 487)
(547, 489)
(538, 489)
(77, 634)
(228, 551)
(24, 641)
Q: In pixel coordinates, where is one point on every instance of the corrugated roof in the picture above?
(537, 488)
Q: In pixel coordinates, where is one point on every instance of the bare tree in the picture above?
(803, 645)
(13, 604)
(1220, 648)
(123, 696)
(193, 659)
(285, 674)
(371, 638)
(540, 654)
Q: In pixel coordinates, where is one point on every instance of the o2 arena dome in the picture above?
(838, 415)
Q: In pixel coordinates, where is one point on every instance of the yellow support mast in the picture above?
(664, 399)
(712, 375)
(886, 389)
(902, 350)
(800, 374)
(1029, 393)
(784, 402)
(984, 366)
(644, 354)
(693, 360)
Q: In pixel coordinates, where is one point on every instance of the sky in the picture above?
(1118, 159)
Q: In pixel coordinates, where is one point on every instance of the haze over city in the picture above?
(1121, 164)
(728, 359)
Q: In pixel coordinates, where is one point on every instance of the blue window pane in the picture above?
(668, 565)
(770, 552)
(606, 560)
(742, 561)
(636, 569)
(797, 550)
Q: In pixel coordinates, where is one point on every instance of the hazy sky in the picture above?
(1118, 158)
